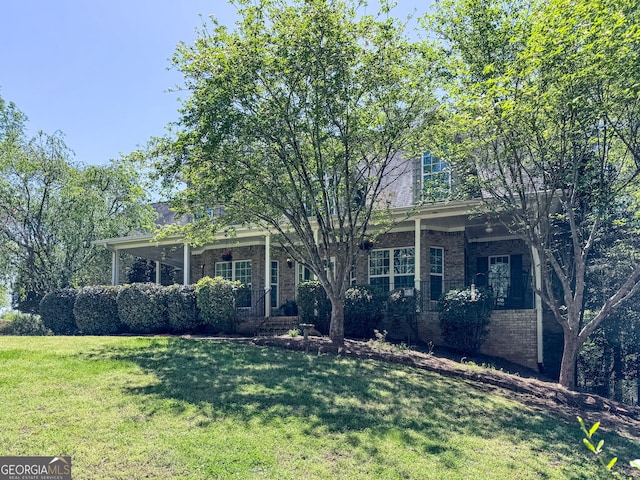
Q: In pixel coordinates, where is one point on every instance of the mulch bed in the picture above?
(527, 389)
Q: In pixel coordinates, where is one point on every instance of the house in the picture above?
(433, 248)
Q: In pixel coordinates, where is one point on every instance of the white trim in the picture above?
(186, 272)
(277, 284)
(267, 275)
(115, 267)
(418, 253)
(537, 269)
(391, 275)
(436, 274)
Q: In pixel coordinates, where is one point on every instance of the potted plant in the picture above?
(226, 255)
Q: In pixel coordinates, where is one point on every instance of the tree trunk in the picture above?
(336, 328)
(569, 361)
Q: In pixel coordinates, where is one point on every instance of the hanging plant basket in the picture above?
(227, 256)
(366, 245)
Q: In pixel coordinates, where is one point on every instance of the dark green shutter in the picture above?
(516, 293)
(482, 271)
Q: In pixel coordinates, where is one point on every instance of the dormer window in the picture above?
(436, 178)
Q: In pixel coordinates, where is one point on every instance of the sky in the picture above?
(99, 71)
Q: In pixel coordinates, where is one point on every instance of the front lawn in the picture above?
(128, 408)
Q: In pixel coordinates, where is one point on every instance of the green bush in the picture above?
(363, 311)
(216, 301)
(56, 311)
(143, 307)
(464, 319)
(314, 306)
(182, 309)
(24, 324)
(96, 311)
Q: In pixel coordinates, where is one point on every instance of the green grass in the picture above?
(128, 408)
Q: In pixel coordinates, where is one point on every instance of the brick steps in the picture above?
(276, 326)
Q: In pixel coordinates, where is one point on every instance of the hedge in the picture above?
(182, 309)
(464, 318)
(143, 307)
(56, 311)
(363, 311)
(216, 301)
(96, 311)
(314, 306)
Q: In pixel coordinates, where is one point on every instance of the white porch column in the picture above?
(537, 273)
(418, 253)
(158, 272)
(187, 264)
(115, 268)
(267, 275)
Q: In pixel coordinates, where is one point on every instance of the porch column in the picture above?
(158, 273)
(187, 264)
(267, 275)
(115, 267)
(418, 253)
(537, 273)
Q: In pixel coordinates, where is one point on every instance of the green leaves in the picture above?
(597, 449)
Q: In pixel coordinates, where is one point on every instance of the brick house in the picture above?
(433, 248)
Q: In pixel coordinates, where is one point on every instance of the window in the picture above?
(436, 272)
(436, 178)
(274, 284)
(393, 268)
(499, 277)
(237, 271)
(304, 274)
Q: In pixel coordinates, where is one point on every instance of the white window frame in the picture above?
(390, 268)
(275, 299)
(433, 273)
(499, 278)
(443, 168)
(233, 264)
(300, 269)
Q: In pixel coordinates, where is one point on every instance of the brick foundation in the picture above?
(512, 335)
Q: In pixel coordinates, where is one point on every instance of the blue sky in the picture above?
(97, 70)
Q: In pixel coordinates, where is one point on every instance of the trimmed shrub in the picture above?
(143, 307)
(56, 311)
(363, 311)
(182, 308)
(96, 311)
(215, 298)
(404, 307)
(23, 324)
(314, 306)
(464, 319)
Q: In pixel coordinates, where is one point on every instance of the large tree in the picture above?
(51, 209)
(298, 121)
(546, 103)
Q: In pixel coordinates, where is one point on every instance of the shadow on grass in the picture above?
(421, 410)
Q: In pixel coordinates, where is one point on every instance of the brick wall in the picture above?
(512, 335)
(452, 242)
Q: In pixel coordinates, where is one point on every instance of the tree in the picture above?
(50, 210)
(297, 122)
(546, 103)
